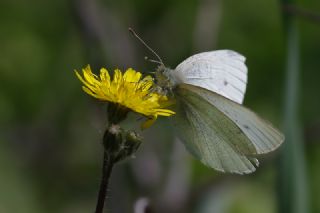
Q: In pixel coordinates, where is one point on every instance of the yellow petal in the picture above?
(82, 80)
(132, 76)
(165, 112)
(89, 76)
(148, 122)
(104, 75)
(88, 91)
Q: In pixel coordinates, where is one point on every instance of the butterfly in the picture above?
(210, 119)
(208, 89)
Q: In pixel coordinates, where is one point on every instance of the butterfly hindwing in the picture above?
(261, 134)
(211, 136)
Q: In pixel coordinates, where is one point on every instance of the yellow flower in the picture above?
(128, 90)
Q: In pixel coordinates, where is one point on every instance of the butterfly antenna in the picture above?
(152, 60)
(147, 46)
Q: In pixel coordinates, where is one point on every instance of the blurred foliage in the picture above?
(50, 151)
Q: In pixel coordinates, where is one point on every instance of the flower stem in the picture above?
(293, 180)
(106, 172)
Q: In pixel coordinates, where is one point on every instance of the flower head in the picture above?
(128, 90)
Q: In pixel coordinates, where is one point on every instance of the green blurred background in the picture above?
(50, 136)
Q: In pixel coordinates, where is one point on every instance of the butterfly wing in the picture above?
(211, 136)
(221, 133)
(221, 71)
(261, 133)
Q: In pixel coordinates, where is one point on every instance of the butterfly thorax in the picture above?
(165, 79)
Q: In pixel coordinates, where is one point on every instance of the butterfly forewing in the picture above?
(221, 71)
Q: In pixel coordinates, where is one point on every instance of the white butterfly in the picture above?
(209, 89)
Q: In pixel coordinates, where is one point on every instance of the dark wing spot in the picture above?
(246, 126)
(225, 82)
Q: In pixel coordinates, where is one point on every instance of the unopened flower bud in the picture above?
(112, 139)
(130, 145)
(132, 142)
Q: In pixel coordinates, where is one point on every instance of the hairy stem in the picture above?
(106, 172)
